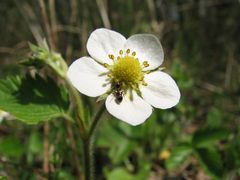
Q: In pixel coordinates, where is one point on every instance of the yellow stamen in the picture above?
(145, 64)
(127, 70)
(106, 65)
(111, 56)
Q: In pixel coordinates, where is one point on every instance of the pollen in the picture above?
(105, 65)
(127, 70)
(145, 64)
(111, 56)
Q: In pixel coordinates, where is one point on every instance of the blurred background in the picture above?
(197, 139)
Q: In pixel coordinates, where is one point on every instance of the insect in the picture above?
(118, 92)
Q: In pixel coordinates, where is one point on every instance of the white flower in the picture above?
(126, 72)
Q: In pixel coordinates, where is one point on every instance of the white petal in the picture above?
(132, 112)
(87, 76)
(147, 48)
(103, 42)
(161, 91)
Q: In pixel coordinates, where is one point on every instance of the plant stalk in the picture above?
(86, 134)
(88, 159)
(96, 120)
(88, 145)
(79, 109)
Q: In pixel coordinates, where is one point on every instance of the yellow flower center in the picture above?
(127, 70)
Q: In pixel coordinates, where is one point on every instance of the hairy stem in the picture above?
(88, 159)
(79, 109)
(96, 120)
(46, 147)
(86, 134)
(88, 145)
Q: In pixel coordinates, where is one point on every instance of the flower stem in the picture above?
(87, 135)
(96, 120)
(79, 107)
(88, 159)
(88, 145)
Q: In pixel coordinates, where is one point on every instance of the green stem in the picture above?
(96, 120)
(88, 159)
(87, 135)
(88, 145)
(79, 107)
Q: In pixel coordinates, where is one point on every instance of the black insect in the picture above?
(118, 92)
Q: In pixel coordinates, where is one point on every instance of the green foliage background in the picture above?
(202, 133)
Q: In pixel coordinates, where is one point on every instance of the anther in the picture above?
(145, 64)
(133, 53)
(121, 52)
(106, 65)
(144, 84)
(128, 51)
(118, 58)
(111, 56)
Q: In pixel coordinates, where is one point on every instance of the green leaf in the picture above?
(35, 143)
(119, 173)
(42, 56)
(144, 170)
(232, 152)
(11, 146)
(215, 117)
(211, 161)
(122, 150)
(206, 137)
(3, 178)
(32, 100)
(64, 175)
(178, 155)
(120, 146)
(33, 62)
